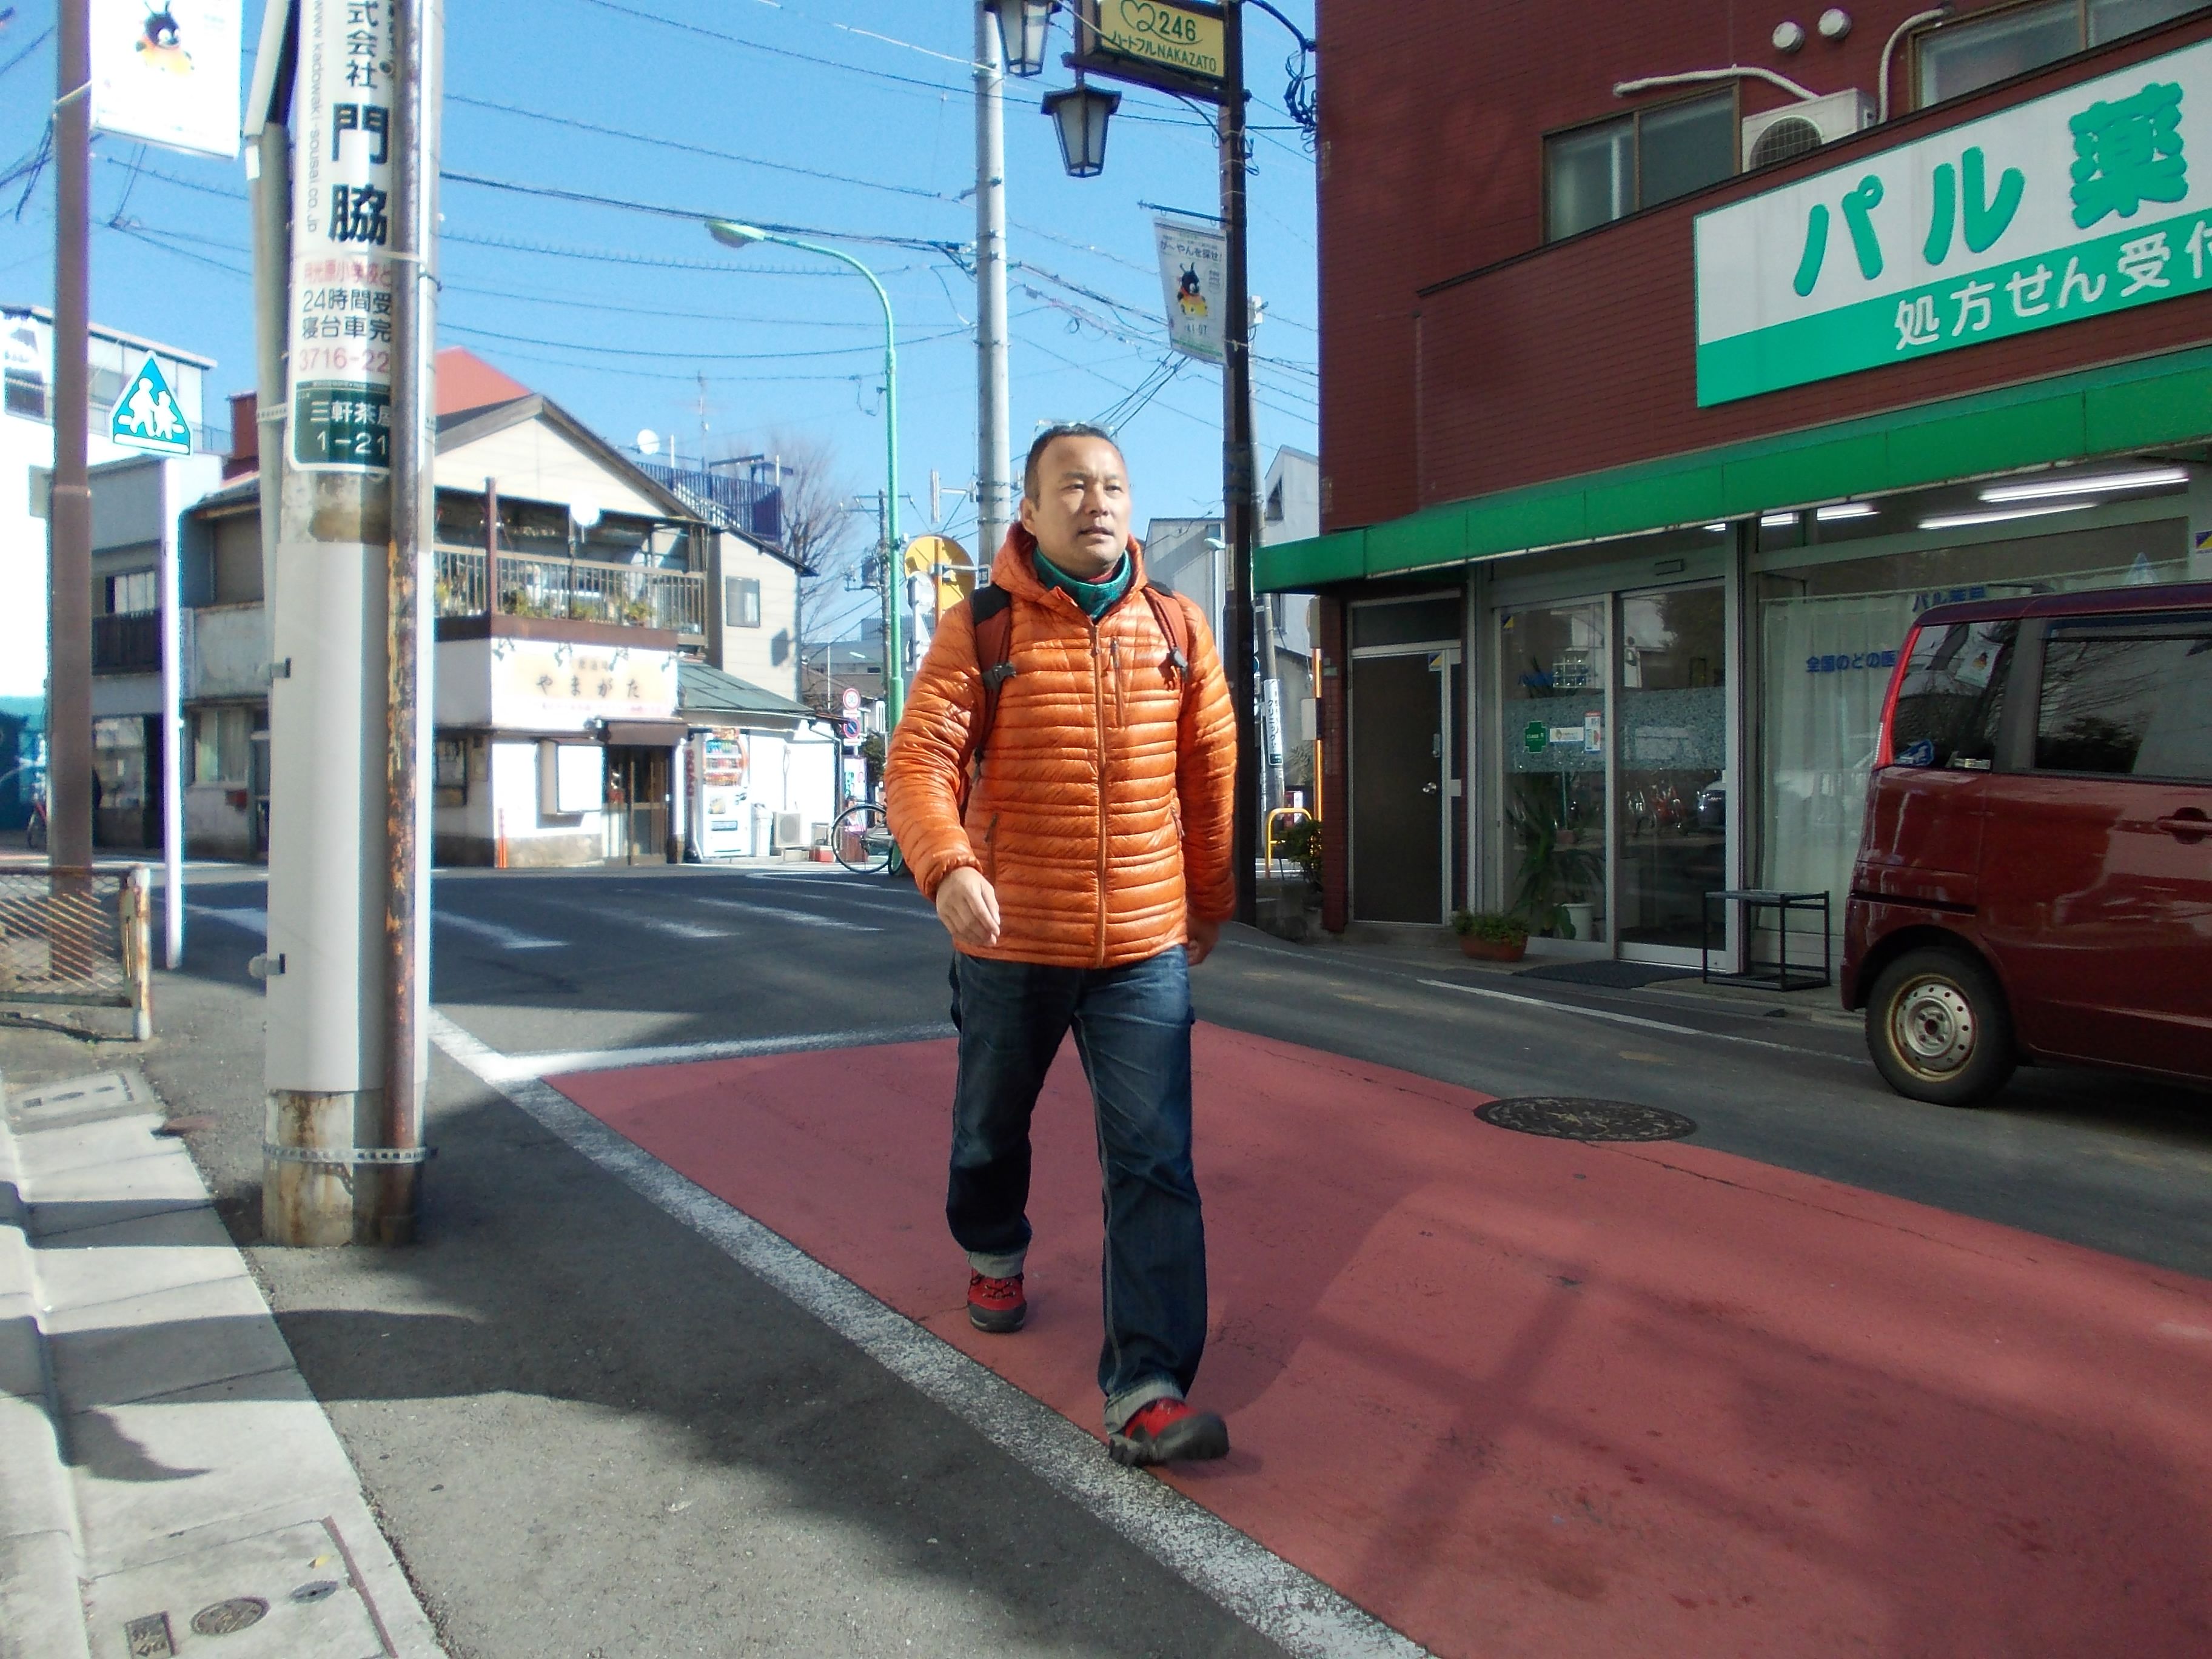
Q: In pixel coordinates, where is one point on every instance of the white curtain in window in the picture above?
(1828, 667)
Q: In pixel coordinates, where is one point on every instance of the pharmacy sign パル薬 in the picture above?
(2073, 205)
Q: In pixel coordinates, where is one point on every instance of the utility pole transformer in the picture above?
(346, 967)
(994, 507)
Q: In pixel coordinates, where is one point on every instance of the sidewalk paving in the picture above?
(1525, 1395)
(166, 1477)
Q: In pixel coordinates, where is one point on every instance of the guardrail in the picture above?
(584, 590)
(81, 938)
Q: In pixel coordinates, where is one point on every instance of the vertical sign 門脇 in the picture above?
(1194, 285)
(342, 273)
(167, 74)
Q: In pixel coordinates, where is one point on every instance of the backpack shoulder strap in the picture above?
(1174, 623)
(991, 610)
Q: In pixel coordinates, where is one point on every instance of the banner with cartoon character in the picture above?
(1194, 282)
(166, 72)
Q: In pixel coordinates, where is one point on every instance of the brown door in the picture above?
(1397, 773)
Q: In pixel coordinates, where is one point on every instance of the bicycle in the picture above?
(861, 839)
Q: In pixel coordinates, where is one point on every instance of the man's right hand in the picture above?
(968, 908)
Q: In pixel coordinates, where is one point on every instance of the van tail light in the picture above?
(1885, 743)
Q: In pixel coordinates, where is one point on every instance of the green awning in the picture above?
(2166, 399)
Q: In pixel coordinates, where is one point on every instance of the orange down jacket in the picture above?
(1103, 807)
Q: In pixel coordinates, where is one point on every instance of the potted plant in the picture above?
(1490, 935)
(1558, 869)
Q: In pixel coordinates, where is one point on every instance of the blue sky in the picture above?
(791, 112)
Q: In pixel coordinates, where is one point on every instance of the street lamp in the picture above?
(1022, 27)
(1079, 113)
(732, 234)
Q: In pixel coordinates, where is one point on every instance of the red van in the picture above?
(2034, 877)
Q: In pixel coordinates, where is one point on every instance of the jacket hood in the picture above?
(1015, 567)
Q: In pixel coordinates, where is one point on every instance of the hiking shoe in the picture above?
(996, 1304)
(1169, 1431)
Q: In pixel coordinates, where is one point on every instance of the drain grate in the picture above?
(1567, 1118)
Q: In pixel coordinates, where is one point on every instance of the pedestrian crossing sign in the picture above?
(146, 415)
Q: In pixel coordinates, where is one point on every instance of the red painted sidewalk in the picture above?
(1526, 1397)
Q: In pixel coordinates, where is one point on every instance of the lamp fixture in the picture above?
(1789, 37)
(1961, 520)
(1777, 520)
(1079, 113)
(2075, 484)
(1845, 510)
(1023, 26)
(1835, 23)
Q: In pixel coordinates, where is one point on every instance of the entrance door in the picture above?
(1552, 661)
(1670, 726)
(1403, 781)
(636, 816)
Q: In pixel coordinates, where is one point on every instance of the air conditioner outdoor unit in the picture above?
(790, 830)
(1783, 135)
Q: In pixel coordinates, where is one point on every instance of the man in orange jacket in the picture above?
(1082, 864)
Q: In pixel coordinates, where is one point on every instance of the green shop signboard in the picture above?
(2081, 203)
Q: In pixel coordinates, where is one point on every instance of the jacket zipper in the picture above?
(1098, 706)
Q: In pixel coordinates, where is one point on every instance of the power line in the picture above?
(697, 356)
(30, 46)
(699, 150)
(659, 262)
(774, 51)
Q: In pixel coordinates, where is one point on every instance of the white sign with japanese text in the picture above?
(342, 276)
(167, 74)
(2075, 205)
(1195, 282)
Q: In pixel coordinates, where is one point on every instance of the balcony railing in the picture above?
(127, 643)
(580, 589)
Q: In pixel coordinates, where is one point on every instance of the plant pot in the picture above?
(1491, 950)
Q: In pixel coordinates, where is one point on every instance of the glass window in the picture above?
(1598, 173)
(741, 599)
(1952, 697)
(1966, 57)
(2110, 19)
(221, 746)
(25, 393)
(1685, 147)
(133, 594)
(1589, 178)
(2127, 695)
(1433, 620)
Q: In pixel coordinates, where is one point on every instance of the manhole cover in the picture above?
(1565, 1118)
(227, 1618)
(320, 1590)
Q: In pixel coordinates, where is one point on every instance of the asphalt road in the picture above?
(588, 1432)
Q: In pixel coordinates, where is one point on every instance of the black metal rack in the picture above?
(1782, 974)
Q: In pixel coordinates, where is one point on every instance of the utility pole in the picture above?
(346, 962)
(994, 440)
(1240, 504)
(69, 524)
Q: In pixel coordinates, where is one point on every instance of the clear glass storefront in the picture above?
(1670, 839)
(1552, 706)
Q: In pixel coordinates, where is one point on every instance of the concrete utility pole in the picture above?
(346, 962)
(268, 190)
(994, 508)
(69, 524)
(1240, 504)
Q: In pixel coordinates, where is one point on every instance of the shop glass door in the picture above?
(1553, 664)
(1670, 723)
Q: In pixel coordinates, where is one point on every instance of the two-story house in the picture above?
(1673, 357)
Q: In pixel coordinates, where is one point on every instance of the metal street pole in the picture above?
(1240, 501)
(733, 235)
(331, 854)
(69, 568)
(994, 435)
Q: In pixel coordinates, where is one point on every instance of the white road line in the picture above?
(508, 938)
(1288, 1607)
(674, 929)
(557, 1062)
(252, 920)
(805, 918)
(1632, 1019)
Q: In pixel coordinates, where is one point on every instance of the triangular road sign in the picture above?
(146, 415)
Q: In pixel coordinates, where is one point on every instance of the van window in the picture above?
(1952, 697)
(2127, 695)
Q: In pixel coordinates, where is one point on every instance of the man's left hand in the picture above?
(1204, 936)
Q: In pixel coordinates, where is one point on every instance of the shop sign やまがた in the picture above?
(343, 275)
(2073, 205)
(558, 687)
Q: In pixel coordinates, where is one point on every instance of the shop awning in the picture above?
(642, 734)
(2106, 410)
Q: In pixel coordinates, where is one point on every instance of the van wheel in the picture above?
(1938, 1029)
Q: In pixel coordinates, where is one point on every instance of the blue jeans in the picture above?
(1133, 1029)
